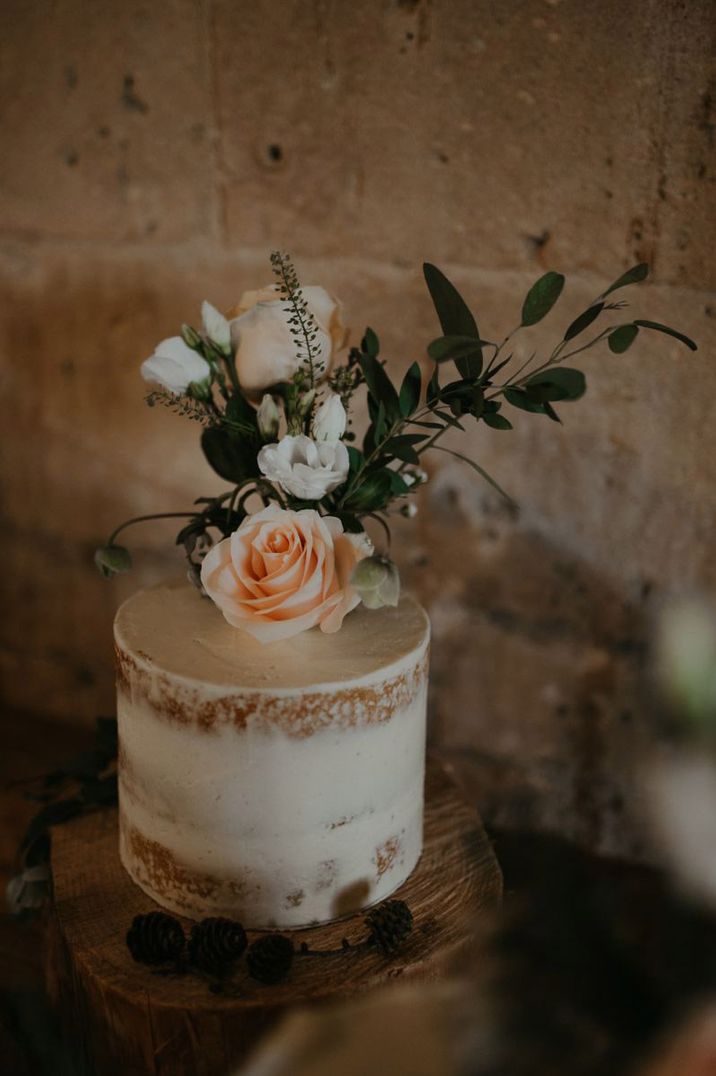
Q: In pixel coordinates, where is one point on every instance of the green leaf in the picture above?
(454, 347)
(356, 459)
(454, 315)
(402, 447)
(370, 344)
(519, 398)
(669, 332)
(433, 390)
(583, 321)
(373, 493)
(399, 487)
(497, 422)
(409, 397)
(476, 467)
(240, 413)
(560, 383)
(635, 275)
(232, 458)
(380, 386)
(541, 297)
(622, 338)
(448, 418)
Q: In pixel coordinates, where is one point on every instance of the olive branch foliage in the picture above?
(406, 419)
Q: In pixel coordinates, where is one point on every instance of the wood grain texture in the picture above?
(124, 1019)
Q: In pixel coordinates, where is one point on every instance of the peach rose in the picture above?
(263, 341)
(282, 572)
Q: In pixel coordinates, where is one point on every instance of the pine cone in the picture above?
(215, 944)
(389, 925)
(155, 938)
(269, 958)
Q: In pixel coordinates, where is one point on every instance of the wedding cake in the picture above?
(272, 710)
(276, 783)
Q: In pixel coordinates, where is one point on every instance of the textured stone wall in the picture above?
(155, 152)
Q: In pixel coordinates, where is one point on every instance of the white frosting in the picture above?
(263, 813)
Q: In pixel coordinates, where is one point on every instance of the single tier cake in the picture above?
(280, 784)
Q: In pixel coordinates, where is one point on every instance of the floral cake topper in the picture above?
(285, 549)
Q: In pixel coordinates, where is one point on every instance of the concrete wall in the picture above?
(155, 152)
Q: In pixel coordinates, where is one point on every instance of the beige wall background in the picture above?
(154, 153)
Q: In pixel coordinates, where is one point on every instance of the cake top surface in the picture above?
(172, 627)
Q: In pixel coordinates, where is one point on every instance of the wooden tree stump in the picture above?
(124, 1019)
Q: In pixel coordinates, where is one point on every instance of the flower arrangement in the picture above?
(284, 549)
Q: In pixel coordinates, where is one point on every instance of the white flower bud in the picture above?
(268, 418)
(216, 327)
(377, 581)
(409, 510)
(175, 366)
(329, 422)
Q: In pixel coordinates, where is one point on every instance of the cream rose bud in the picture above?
(216, 327)
(265, 348)
(329, 421)
(268, 418)
(305, 468)
(282, 572)
(175, 366)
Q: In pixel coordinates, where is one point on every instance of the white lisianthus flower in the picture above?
(216, 327)
(303, 467)
(329, 421)
(175, 366)
(264, 345)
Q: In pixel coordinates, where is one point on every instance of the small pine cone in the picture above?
(215, 944)
(269, 958)
(155, 938)
(389, 925)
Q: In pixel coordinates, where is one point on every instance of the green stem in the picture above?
(368, 460)
(144, 519)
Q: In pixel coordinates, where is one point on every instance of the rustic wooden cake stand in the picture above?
(124, 1019)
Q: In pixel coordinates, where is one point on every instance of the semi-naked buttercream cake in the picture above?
(280, 784)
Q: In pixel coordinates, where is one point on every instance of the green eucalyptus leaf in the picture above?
(583, 321)
(370, 344)
(232, 457)
(541, 297)
(433, 390)
(448, 419)
(409, 397)
(669, 332)
(373, 493)
(240, 412)
(399, 487)
(455, 317)
(520, 399)
(497, 422)
(452, 347)
(635, 275)
(402, 447)
(622, 338)
(380, 386)
(559, 383)
(356, 459)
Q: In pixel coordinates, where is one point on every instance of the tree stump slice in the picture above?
(122, 1018)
